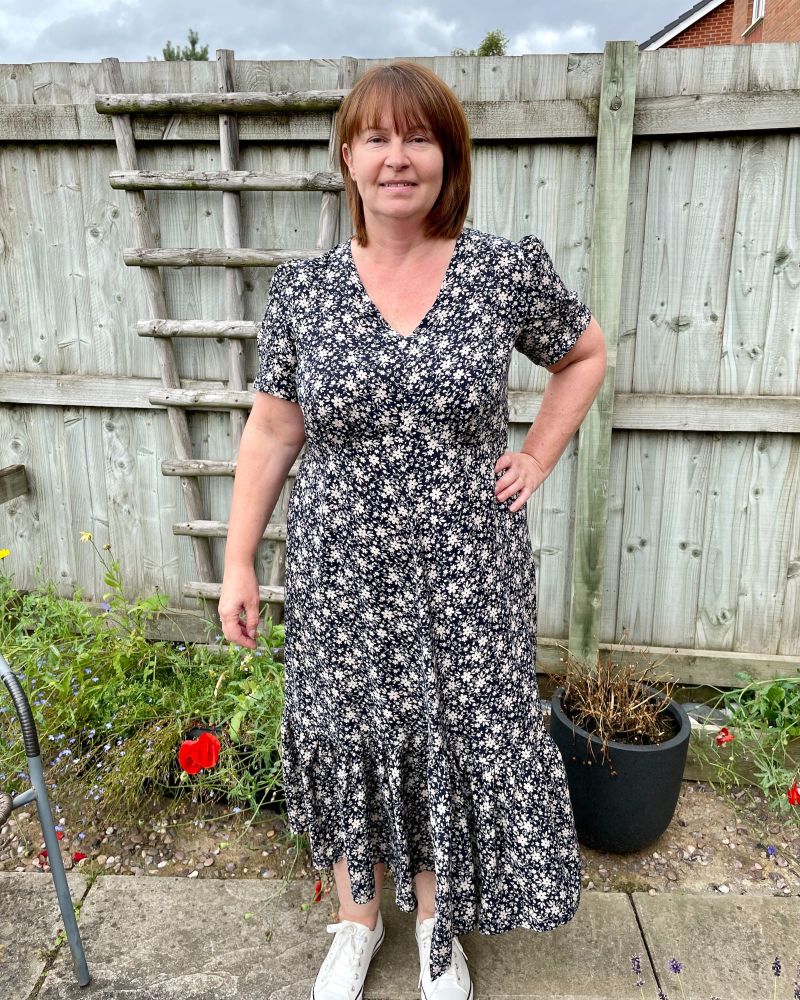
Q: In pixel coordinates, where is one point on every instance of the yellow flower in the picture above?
(86, 536)
(4, 553)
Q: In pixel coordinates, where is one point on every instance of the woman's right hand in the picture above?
(239, 596)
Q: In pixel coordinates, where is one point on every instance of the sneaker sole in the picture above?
(360, 993)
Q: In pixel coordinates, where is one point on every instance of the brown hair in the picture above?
(413, 95)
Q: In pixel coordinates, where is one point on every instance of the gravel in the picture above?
(713, 844)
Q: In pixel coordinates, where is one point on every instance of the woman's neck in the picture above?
(389, 244)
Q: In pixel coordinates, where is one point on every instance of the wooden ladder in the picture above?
(231, 181)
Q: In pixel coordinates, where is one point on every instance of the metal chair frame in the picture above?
(38, 794)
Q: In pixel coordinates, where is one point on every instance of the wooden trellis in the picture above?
(233, 257)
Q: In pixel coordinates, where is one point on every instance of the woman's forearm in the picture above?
(262, 466)
(566, 401)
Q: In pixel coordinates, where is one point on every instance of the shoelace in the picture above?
(452, 974)
(348, 943)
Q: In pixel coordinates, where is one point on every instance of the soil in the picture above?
(713, 844)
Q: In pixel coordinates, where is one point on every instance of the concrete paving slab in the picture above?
(29, 921)
(159, 938)
(585, 959)
(726, 943)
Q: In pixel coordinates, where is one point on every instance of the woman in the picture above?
(412, 735)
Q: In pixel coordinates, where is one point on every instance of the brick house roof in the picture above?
(680, 24)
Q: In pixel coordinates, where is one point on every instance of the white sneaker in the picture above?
(454, 983)
(342, 973)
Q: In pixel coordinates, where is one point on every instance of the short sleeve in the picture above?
(277, 360)
(553, 316)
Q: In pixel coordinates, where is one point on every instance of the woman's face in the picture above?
(398, 175)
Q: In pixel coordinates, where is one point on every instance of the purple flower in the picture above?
(662, 995)
(674, 965)
(771, 851)
(776, 966)
(105, 606)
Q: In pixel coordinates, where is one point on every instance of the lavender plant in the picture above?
(676, 968)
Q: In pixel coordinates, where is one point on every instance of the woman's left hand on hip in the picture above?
(521, 474)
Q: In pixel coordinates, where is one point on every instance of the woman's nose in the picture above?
(396, 154)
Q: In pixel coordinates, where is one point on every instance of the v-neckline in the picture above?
(418, 329)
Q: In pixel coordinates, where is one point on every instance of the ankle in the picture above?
(369, 921)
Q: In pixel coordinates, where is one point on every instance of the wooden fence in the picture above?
(666, 186)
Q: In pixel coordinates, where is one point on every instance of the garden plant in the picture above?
(676, 968)
(125, 721)
(764, 746)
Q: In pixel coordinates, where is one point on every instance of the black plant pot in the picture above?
(628, 810)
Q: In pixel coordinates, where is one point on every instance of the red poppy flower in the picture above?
(318, 890)
(79, 856)
(723, 736)
(793, 795)
(195, 755)
(60, 834)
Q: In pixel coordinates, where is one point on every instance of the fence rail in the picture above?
(663, 183)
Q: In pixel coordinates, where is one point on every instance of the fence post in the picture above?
(612, 171)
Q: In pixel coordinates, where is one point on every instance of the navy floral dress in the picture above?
(412, 731)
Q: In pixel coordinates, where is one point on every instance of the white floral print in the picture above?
(412, 731)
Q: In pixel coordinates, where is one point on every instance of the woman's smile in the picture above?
(381, 149)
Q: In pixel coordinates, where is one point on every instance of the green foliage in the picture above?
(172, 53)
(495, 43)
(765, 719)
(112, 707)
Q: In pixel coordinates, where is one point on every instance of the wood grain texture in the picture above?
(224, 180)
(13, 482)
(614, 141)
(702, 526)
(489, 121)
(126, 151)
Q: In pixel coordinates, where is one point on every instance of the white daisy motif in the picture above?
(412, 730)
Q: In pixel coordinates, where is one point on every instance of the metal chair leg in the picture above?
(38, 794)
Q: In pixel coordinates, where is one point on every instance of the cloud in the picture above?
(422, 32)
(132, 30)
(578, 37)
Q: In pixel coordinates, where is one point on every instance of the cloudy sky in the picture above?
(88, 30)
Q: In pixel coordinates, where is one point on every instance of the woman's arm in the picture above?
(576, 381)
(272, 439)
